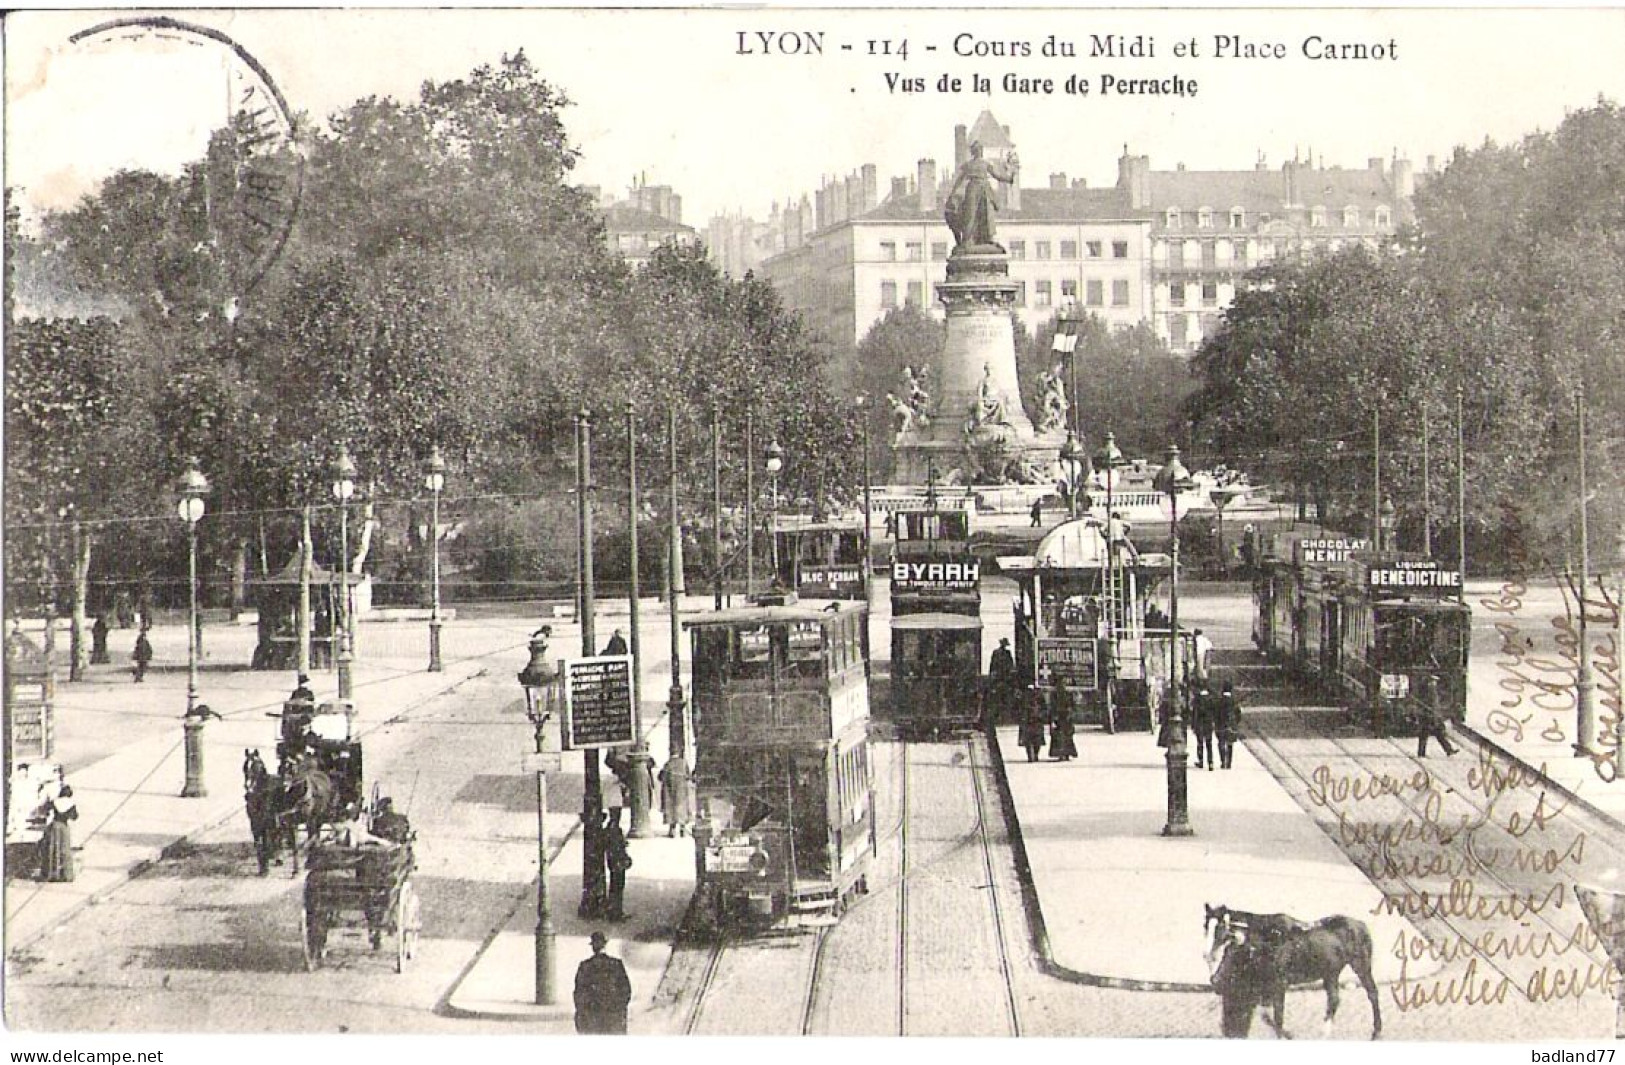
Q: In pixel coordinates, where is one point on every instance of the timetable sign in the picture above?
(597, 702)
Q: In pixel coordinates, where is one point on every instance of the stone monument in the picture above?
(974, 430)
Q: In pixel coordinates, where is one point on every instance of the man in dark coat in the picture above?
(1061, 745)
(1032, 728)
(1204, 719)
(616, 644)
(1227, 723)
(98, 642)
(617, 860)
(1431, 723)
(603, 992)
(142, 656)
(1001, 671)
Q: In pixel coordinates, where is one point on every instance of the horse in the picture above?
(309, 797)
(1257, 969)
(1227, 923)
(260, 793)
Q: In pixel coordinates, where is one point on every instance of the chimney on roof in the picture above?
(961, 146)
(1179, 167)
(1259, 164)
(1404, 179)
(1433, 164)
(1057, 181)
(1374, 164)
(928, 185)
(1134, 177)
(1080, 183)
(871, 186)
(821, 207)
(854, 195)
(899, 188)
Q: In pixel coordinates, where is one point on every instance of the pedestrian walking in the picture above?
(1204, 718)
(56, 845)
(677, 797)
(98, 641)
(142, 655)
(603, 992)
(617, 860)
(1001, 672)
(1061, 745)
(616, 644)
(1037, 513)
(1228, 723)
(1431, 722)
(1204, 654)
(1031, 733)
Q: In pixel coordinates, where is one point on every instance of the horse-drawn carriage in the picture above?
(318, 779)
(364, 888)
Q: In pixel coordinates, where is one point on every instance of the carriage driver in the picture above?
(387, 824)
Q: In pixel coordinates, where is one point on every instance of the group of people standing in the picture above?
(1215, 716)
(1061, 725)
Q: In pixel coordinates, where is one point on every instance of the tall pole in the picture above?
(1427, 488)
(750, 506)
(1178, 805)
(345, 660)
(545, 936)
(302, 652)
(1584, 686)
(191, 614)
(1376, 476)
(639, 768)
(435, 484)
(716, 507)
(676, 726)
(592, 866)
(868, 509)
(1461, 493)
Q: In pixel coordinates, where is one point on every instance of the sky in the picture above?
(680, 97)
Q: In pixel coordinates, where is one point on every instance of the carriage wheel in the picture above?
(307, 932)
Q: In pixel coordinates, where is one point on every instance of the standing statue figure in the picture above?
(919, 400)
(1052, 403)
(970, 205)
(902, 416)
(988, 406)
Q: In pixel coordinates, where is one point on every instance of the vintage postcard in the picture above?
(1036, 523)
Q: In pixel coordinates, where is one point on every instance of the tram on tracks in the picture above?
(936, 624)
(783, 777)
(821, 559)
(1082, 639)
(1385, 634)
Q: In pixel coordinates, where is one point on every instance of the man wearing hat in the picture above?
(1001, 679)
(603, 992)
(1228, 722)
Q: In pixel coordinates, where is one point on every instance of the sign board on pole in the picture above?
(597, 702)
(1395, 685)
(1066, 662)
(542, 762)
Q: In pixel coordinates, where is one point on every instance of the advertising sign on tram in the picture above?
(830, 581)
(1412, 576)
(597, 702)
(936, 576)
(1066, 662)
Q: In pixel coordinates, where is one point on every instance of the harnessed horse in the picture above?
(308, 797)
(260, 792)
(1264, 954)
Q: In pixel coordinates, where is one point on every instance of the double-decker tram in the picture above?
(936, 624)
(1378, 632)
(786, 828)
(821, 559)
(1080, 616)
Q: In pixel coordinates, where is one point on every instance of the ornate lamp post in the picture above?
(1072, 458)
(775, 463)
(343, 489)
(1387, 518)
(434, 479)
(676, 724)
(540, 683)
(1109, 460)
(640, 767)
(1171, 480)
(1221, 498)
(1584, 685)
(862, 403)
(193, 487)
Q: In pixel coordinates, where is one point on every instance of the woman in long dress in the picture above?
(56, 845)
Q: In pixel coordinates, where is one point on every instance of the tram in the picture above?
(786, 829)
(1081, 634)
(936, 624)
(821, 559)
(1378, 633)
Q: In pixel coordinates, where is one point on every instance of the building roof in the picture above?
(1037, 205)
(1264, 190)
(987, 132)
(626, 219)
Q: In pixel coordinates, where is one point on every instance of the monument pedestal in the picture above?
(977, 432)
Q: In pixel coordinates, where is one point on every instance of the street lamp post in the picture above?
(640, 768)
(862, 403)
(343, 488)
(1110, 460)
(1221, 498)
(750, 506)
(676, 725)
(1072, 458)
(775, 463)
(539, 681)
(592, 801)
(434, 479)
(1584, 686)
(1387, 518)
(193, 487)
(1171, 480)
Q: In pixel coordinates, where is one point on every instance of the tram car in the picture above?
(1082, 640)
(786, 830)
(936, 624)
(1378, 633)
(325, 732)
(821, 560)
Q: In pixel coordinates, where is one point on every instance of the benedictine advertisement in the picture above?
(861, 402)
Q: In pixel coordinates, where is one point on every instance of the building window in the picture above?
(1069, 291)
(1210, 254)
(1069, 249)
(1176, 254)
(1382, 220)
(1171, 218)
(1119, 293)
(1119, 249)
(939, 250)
(1094, 249)
(1210, 325)
(1239, 253)
(1238, 218)
(1351, 217)
(1094, 293)
(1177, 334)
(916, 293)
(1176, 294)
(1021, 293)
(1204, 218)
(1041, 249)
(888, 250)
(1018, 249)
(1042, 294)
(1317, 217)
(914, 250)
(1210, 293)
(888, 294)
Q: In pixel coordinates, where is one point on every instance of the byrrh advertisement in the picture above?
(366, 361)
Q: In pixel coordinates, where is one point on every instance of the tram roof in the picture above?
(770, 614)
(1079, 544)
(935, 621)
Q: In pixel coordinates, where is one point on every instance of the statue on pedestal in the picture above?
(902, 417)
(987, 409)
(971, 204)
(1052, 404)
(918, 399)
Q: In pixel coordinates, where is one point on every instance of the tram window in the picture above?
(755, 652)
(711, 660)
